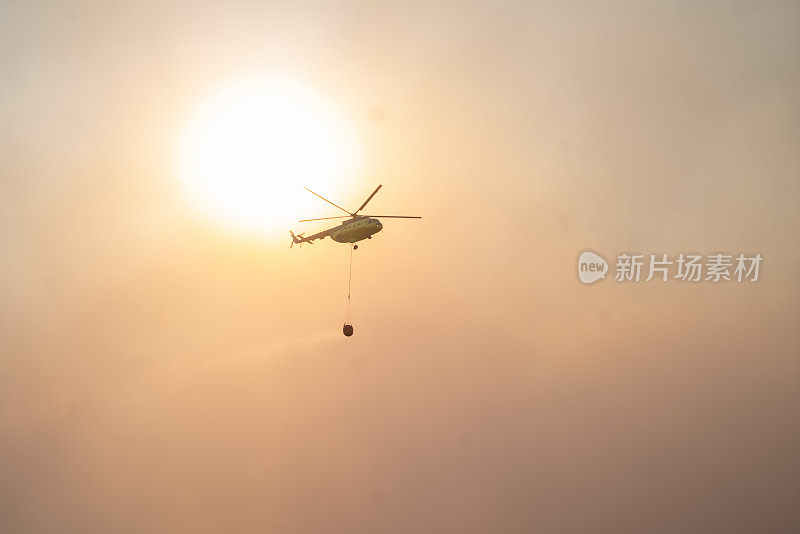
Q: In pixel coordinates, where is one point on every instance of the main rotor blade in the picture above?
(328, 201)
(326, 218)
(368, 199)
(393, 216)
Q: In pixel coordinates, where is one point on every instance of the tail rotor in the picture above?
(295, 239)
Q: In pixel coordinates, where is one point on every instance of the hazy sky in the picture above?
(160, 372)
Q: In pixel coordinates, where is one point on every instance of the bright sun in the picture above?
(249, 151)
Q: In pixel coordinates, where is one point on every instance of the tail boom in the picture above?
(300, 238)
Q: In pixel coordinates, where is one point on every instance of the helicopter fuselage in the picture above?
(356, 230)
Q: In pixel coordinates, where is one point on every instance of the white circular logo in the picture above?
(591, 267)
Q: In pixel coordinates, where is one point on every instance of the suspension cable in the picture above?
(349, 281)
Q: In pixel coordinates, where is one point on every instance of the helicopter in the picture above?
(356, 228)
